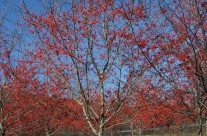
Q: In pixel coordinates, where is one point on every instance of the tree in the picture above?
(10, 97)
(87, 49)
(53, 115)
(186, 42)
(176, 49)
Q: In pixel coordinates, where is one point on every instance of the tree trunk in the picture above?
(140, 131)
(200, 127)
(101, 133)
(47, 134)
(102, 121)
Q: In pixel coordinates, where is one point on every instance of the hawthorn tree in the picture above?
(176, 51)
(87, 47)
(14, 74)
(53, 115)
(186, 42)
(6, 94)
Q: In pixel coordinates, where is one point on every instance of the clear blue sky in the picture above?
(9, 10)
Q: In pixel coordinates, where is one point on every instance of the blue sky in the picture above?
(9, 9)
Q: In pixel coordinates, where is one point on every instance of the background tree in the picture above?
(186, 42)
